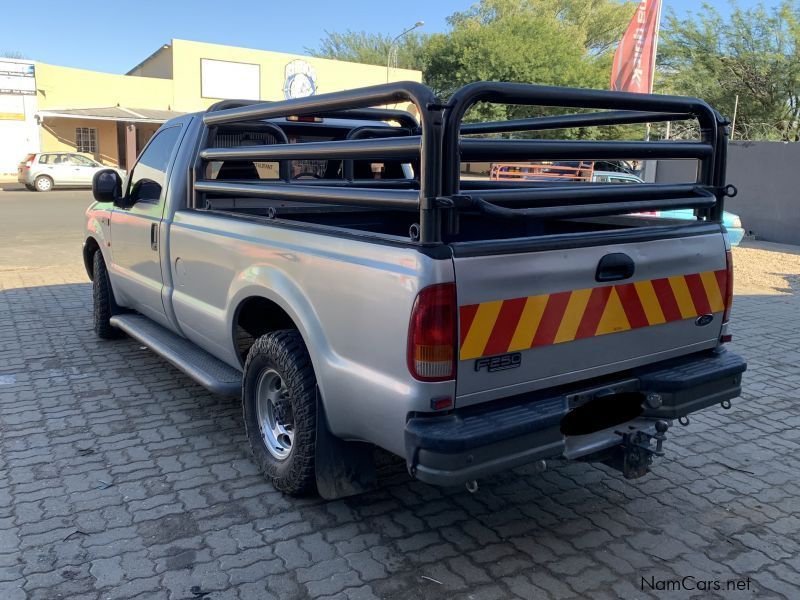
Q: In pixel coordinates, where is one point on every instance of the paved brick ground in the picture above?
(120, 478)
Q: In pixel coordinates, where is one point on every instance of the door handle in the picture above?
(615, 267)
(154, 236)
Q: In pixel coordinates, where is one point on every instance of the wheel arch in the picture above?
(256, 315)
(290, 306)
(90, 246)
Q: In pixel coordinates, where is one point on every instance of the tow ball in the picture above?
(635, 454)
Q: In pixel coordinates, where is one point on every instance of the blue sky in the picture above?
(114, 37)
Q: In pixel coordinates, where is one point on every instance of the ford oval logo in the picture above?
(704, 320)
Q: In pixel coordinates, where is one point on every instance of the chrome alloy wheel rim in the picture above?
(275, 415)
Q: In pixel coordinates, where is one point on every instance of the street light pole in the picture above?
(391, 61)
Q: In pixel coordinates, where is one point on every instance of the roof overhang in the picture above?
(47, 114)
(119, 114)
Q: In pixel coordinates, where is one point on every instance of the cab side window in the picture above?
(149, 173)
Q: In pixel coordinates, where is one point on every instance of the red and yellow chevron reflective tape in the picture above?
(502, 326)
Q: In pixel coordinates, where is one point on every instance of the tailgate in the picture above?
(537, 319)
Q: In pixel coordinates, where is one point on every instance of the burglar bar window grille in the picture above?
(86, 139)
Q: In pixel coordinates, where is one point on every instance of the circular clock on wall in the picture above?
(300, 80)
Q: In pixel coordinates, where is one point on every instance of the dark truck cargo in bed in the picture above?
(325, 258)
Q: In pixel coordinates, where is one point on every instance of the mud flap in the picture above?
(342, 468)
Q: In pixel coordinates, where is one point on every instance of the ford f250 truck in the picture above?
(323, 258)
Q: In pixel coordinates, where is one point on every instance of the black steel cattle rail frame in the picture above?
(353, 104)
(620, 108)
(437, 144)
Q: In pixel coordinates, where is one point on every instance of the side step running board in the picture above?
(198, 364)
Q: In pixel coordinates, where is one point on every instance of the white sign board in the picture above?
(225, 79)
(12, 108)
(17, 78)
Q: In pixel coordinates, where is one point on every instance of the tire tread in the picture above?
(103, 300)
(286, 350)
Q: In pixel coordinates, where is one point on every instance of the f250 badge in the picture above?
(499, 363)
(704, 320)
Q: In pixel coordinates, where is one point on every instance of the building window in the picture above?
(86, 139)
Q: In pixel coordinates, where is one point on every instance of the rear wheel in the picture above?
(104, 304)
(29, 187)
(43, 183)
(280, 410)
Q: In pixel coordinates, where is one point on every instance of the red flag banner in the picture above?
(635, 58)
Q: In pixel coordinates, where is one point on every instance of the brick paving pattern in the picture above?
(121, 478)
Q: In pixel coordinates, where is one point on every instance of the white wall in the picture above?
(17, 137)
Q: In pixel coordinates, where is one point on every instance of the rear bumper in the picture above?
(480, 440)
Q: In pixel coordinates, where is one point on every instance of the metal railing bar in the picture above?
(578, 193)
(399, 184)
(347, 100)
(513, 184)
(588, 210)
(541, 95)
(373, 149)
(386, 198)
(404, 118)
(492, 149)
(612, 117)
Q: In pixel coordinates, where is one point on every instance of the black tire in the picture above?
(29, 187)
(43, 183)
(104, 304)
(283, 352)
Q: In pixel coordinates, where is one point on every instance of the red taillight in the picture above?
(728, 286)
(432, 334)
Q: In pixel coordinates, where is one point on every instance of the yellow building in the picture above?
(111, 117)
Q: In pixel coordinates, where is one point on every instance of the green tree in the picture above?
(753, 54)
(371, 48)
(550, 42)
(553, 42)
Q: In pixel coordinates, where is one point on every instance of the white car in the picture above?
(46, 170)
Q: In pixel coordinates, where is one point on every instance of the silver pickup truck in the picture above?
(324, 258)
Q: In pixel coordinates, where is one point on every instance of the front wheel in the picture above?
(280, 410)
(104, 304)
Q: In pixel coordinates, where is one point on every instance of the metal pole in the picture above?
(735, 110)
(393, 47)
(653, 65)
(655, 47)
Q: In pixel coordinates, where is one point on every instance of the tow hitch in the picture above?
(634, 455)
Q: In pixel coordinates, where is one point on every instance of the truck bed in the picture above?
(397, 224)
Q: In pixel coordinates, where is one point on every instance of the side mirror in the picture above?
(107, 186)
